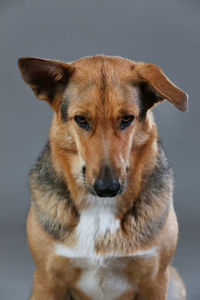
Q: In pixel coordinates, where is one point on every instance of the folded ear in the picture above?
(47, 78)
(155, 87)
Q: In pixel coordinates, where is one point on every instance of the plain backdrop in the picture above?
(162, 32)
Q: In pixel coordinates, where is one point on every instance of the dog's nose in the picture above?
(106, 188)
(106, 184)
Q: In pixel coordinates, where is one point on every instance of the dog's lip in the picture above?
(90, 189)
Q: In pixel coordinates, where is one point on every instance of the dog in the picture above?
(101, 223)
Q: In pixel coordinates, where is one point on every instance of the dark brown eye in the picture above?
(82, 121)
(126, 121)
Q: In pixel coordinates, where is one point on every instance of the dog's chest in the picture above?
(94, 223)
(102, 276)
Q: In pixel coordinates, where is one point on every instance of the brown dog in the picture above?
(101, 223)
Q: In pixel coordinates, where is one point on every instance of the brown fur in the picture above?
(103, 89)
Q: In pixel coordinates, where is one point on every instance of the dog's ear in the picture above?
(155, 87)
(47, 78)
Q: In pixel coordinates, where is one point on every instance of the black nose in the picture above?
(106, 185)
(106, 189)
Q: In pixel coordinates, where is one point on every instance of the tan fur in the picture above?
(101, 88)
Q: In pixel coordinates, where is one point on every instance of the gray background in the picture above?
(162, 32)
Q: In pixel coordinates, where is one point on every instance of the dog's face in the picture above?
(102, 104)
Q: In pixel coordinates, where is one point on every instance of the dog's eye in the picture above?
(82, 121)
(126, 121)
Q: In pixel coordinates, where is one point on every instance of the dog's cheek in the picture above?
(142, 130)
(62, 134)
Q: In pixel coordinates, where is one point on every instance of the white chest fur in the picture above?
(102, 276)
(96, 220)
(104, 279)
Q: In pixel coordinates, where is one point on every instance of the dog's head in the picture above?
(102, 111)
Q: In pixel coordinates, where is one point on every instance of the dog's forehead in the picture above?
(102, 80)
(98, 60)
(94, 68)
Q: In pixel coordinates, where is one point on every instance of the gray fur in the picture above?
(156, 184)
(53, 227)
(44, 179)
(64, 110)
